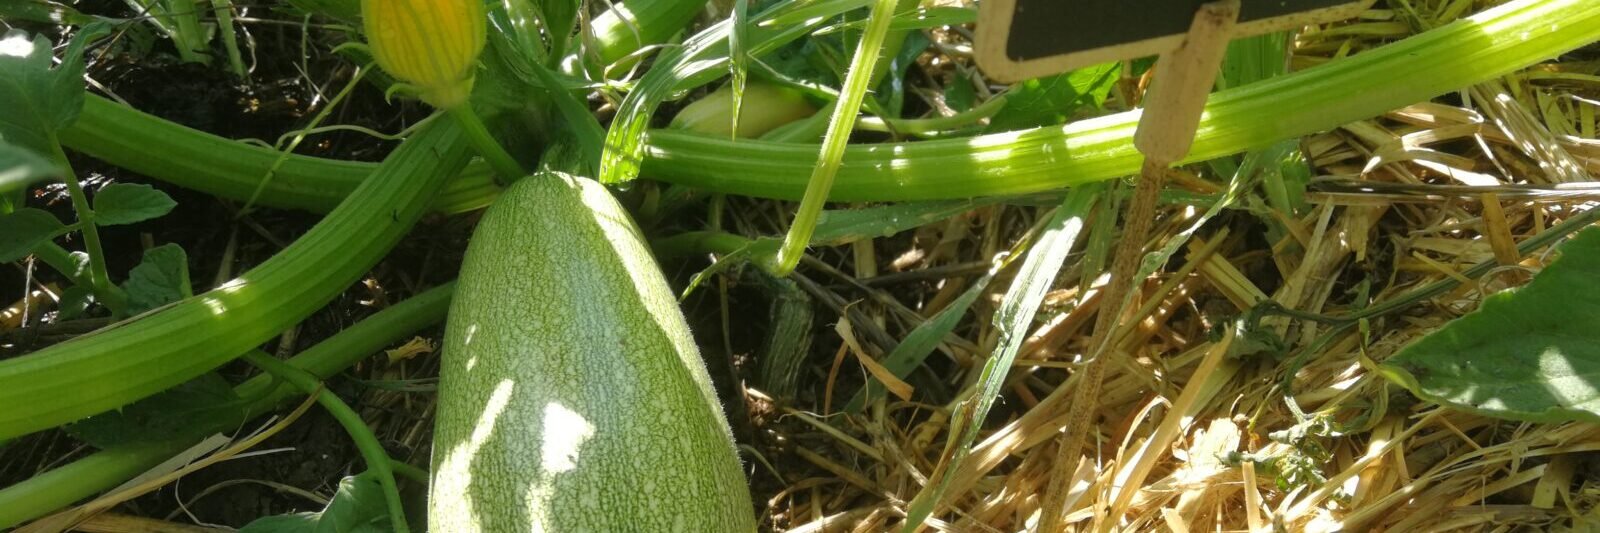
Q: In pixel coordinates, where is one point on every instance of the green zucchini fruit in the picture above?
(571, 396)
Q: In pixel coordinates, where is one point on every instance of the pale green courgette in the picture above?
(572, 397)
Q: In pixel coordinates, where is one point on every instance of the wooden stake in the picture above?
(1173, 105)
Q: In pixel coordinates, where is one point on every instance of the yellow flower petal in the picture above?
(432, 45)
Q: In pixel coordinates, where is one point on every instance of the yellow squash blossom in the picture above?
(432, 45)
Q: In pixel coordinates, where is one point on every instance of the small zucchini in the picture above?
(572, 397)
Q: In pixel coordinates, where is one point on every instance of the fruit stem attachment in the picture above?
(498, 158)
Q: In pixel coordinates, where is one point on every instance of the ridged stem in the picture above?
(1456, 55)
(154, 352)
(59, 487)
(488, 148)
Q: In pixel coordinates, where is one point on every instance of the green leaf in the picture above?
(701, 59)
(921, 18)
(25, 229)
(161, 278)
(844, 226)
(358, 507)
(202, 402)
(1053, 100)
(74, 301)
(1254, 59)
(128, 203)
(42, 12)
(21, 167)
(960, 95)
(919, 344)
(38, 100)
(1532, 354)
(1014, 318)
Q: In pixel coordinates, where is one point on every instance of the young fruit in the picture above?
(571, 396)
(764, 107)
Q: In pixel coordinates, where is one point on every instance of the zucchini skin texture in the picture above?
(572, 397)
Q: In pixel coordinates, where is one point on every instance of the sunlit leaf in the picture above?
(37, 99)
(1532, 354)
(1053, 99)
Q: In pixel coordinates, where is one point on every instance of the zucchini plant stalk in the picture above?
(432, 47)
(99, 276)
(43, 493)
(157, 351)
(371, 449)
(1467, 51)
(833, 144)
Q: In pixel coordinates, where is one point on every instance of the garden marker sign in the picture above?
(1021, 39)
(1026, 38)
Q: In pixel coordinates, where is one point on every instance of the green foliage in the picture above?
(1054, 99)
(1254, 59)
(842, 226)
(346, 11)
(919, 344)
(39, 100)
(201, 402)
(42, 12)
(75, 300)
(921, 18)
(1530, 355)
(25, 229)
(1014, 319)
(21, 167)
(161, 278)
(128, 203)
(960, 96)
(180, 20)
(701, 59)
(357, 507)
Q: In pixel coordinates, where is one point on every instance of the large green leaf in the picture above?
(39, 100)
(357, 507)
(206, 401)
(1532, 354)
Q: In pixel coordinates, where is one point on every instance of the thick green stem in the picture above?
(57, 488)
(698, 242)
(223, 10)
(99, 276)
(371, 449)
(485, 143)
(1456, 55)
(112, 296)
(838, 136)
(114, 367)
